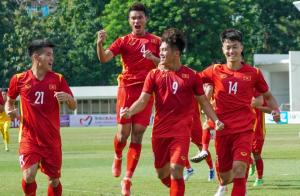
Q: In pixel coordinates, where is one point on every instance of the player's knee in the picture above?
(137, 136)
(54, 182)
(176, 171)
(256, 156)
(28, 177)
(239, 169)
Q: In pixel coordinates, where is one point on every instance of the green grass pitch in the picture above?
(88, 153)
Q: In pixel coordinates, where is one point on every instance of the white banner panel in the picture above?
(294, 117)
(93, 120)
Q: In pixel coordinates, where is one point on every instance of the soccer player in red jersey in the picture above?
(139, 52)
(196, 138)
(233, 91)
(259, 137)
(41, 90)
(175, 87)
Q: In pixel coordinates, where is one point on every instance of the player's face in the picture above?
(137, 21)
(167, 55)
(46, 59)
(232, 50)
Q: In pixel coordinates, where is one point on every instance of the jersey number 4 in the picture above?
(233, 87)
(39, 97)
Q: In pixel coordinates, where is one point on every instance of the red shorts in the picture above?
(196, 133)
(257, 145)
(170, 150)
(49, 159)
(233, 147)
(125, 98)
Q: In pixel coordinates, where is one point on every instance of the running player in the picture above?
(139, 52)
(233, 90)
(175, 87)
(41, 90)
(4, 122)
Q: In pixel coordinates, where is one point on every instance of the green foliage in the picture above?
(268, 27)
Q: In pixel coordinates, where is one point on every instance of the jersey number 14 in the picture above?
(233, 87)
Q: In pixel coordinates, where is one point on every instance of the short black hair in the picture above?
(38, 44)
(4, 90)
(174, 38)
(231, 34)
(137, 6)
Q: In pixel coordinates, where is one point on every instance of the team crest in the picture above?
(183, 158)
(244, 154)
(185, 75)
(27, 86)
(52, 87)
(247, 78)
(223, 76)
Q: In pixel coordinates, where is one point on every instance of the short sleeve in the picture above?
(13, 91)
(198, 86)
(261, 85)
(149, 83)
(116, 46)
(65, 87)
(207, 75)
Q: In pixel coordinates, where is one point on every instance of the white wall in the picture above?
(294, 67)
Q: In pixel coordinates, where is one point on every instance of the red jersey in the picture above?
(40, 121)
(174, 93)
(1, 99)
(135, 65)
(233, 92)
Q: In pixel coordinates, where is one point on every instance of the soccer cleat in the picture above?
(252, 169)
(211, 175)
(116, 167)
(188, 174)
(125, 187)
(221, 191)
(258, 182)
(199, 157)
(6, 148)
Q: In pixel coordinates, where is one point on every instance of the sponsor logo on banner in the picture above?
(86, 121)
(93, 120)
(284, 118)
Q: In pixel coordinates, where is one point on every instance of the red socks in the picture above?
(209, 160)
(177, 187)
(55, 191)
(259, 168)
(133, 156)
(166, 181)
(239, 187)
(205, 139)
(119, 146)
(29, 188)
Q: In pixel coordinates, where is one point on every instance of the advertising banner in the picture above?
(93, 120)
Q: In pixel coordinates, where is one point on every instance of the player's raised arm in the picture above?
(207, 108)
(272, 103)
(10, 109)
(103, 55)
(137, 106)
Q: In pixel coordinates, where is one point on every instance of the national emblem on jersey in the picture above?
(223, 76)
(247, 78)
(52, 87)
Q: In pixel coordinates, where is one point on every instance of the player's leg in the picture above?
(189, 171)
(28, 182)
(224, 161)
(123, 131)
(179, 149)
(6, 134)
(242, 145)
(51, 166)
(160, 148)
(259, 164)
(120, 141)
(2, 132)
